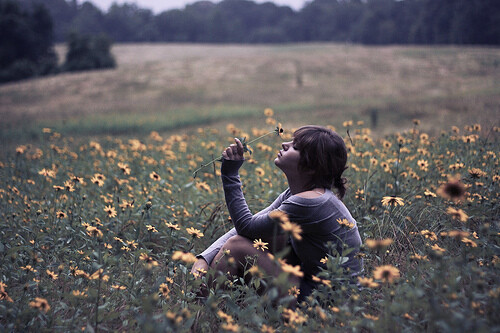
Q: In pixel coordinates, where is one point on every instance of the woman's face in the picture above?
(288, 158)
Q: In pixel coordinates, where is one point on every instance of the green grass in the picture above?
(48, 251)
(169, 86)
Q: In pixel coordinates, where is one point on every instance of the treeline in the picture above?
(243, 21)
(27, 45)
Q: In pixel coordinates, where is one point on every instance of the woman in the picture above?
(313, 164)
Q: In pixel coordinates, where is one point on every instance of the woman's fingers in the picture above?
(239, 147)
(234, 151)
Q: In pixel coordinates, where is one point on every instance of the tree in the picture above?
(26, 42)
(85, 53)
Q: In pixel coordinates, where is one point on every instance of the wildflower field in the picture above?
(101, 234)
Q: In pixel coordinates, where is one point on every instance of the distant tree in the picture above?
(26, 42)
(85, 53)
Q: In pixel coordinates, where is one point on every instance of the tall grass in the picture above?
(97, 235)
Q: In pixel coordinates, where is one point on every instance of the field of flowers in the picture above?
(100, 235)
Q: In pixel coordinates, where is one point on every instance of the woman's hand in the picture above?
(234, 152)
(198, 267)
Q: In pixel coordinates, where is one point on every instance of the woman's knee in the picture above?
(238, 246)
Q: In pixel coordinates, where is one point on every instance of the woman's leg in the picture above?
(235, 262)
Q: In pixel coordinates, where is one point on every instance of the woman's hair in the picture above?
(322, 153)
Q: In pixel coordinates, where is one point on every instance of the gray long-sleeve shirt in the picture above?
(316, 216)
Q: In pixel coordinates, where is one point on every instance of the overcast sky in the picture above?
(161, 5)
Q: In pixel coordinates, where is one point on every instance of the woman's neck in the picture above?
(299, 184)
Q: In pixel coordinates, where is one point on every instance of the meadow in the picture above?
(101, 216)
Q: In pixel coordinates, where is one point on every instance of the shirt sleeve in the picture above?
(245, 223)
(210, 253)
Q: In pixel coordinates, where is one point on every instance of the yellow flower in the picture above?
(392, 200)
(124, 168)
(457, 234)
(344, 222)
(260, 172)
(266, 329)
(61, 215)
(187, 257)
(367, 282)
(279, 216)
(194, 232)
(40, 304)
(295, 270)
(457, 214)
(386, 273)
(110, 210)
(51, 274)
(94, 232)
(452, 190)
(469, 242)
(78, 293)
(429, 234)
(164, 289)
(294, 229)
(294, 291)
(428, 193)
(151, 228)
(153, 175)
(118, 287)
(268, 112)
(378, 244)
(438, 249)
(476, 173)
(423, 164)
(260, 245)
(368, 316)
(172, 226)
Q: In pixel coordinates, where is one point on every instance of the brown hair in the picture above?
(322, 152)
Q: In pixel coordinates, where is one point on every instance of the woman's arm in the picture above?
(245, 223)
(213, 249)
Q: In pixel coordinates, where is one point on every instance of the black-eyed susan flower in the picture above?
(110, 210)
(378, 244)
(61, 215)
(423, 164)
(476, 173)
(367, 282)
(52, 275)
(454, 189)
(294, 270)
(172, 226)
(260, 172)
(457, 214)
(268, 112)
(186, 257)
(164, 290)
(99, 182)
(260, 245)
(294, 229)
(294, 291)
(392, 201)
(345, 223)
(94, 232)
(154, 176)
(194, 232)
(124, 168)
(40, 304)
(370, 317)
(151, 228)
(386, 273)
(437, 248)
(469, 242)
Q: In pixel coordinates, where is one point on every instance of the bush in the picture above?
(86, 52)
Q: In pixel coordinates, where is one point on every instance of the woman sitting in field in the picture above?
(313, 164)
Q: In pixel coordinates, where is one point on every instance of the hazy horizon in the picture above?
(158, 6)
